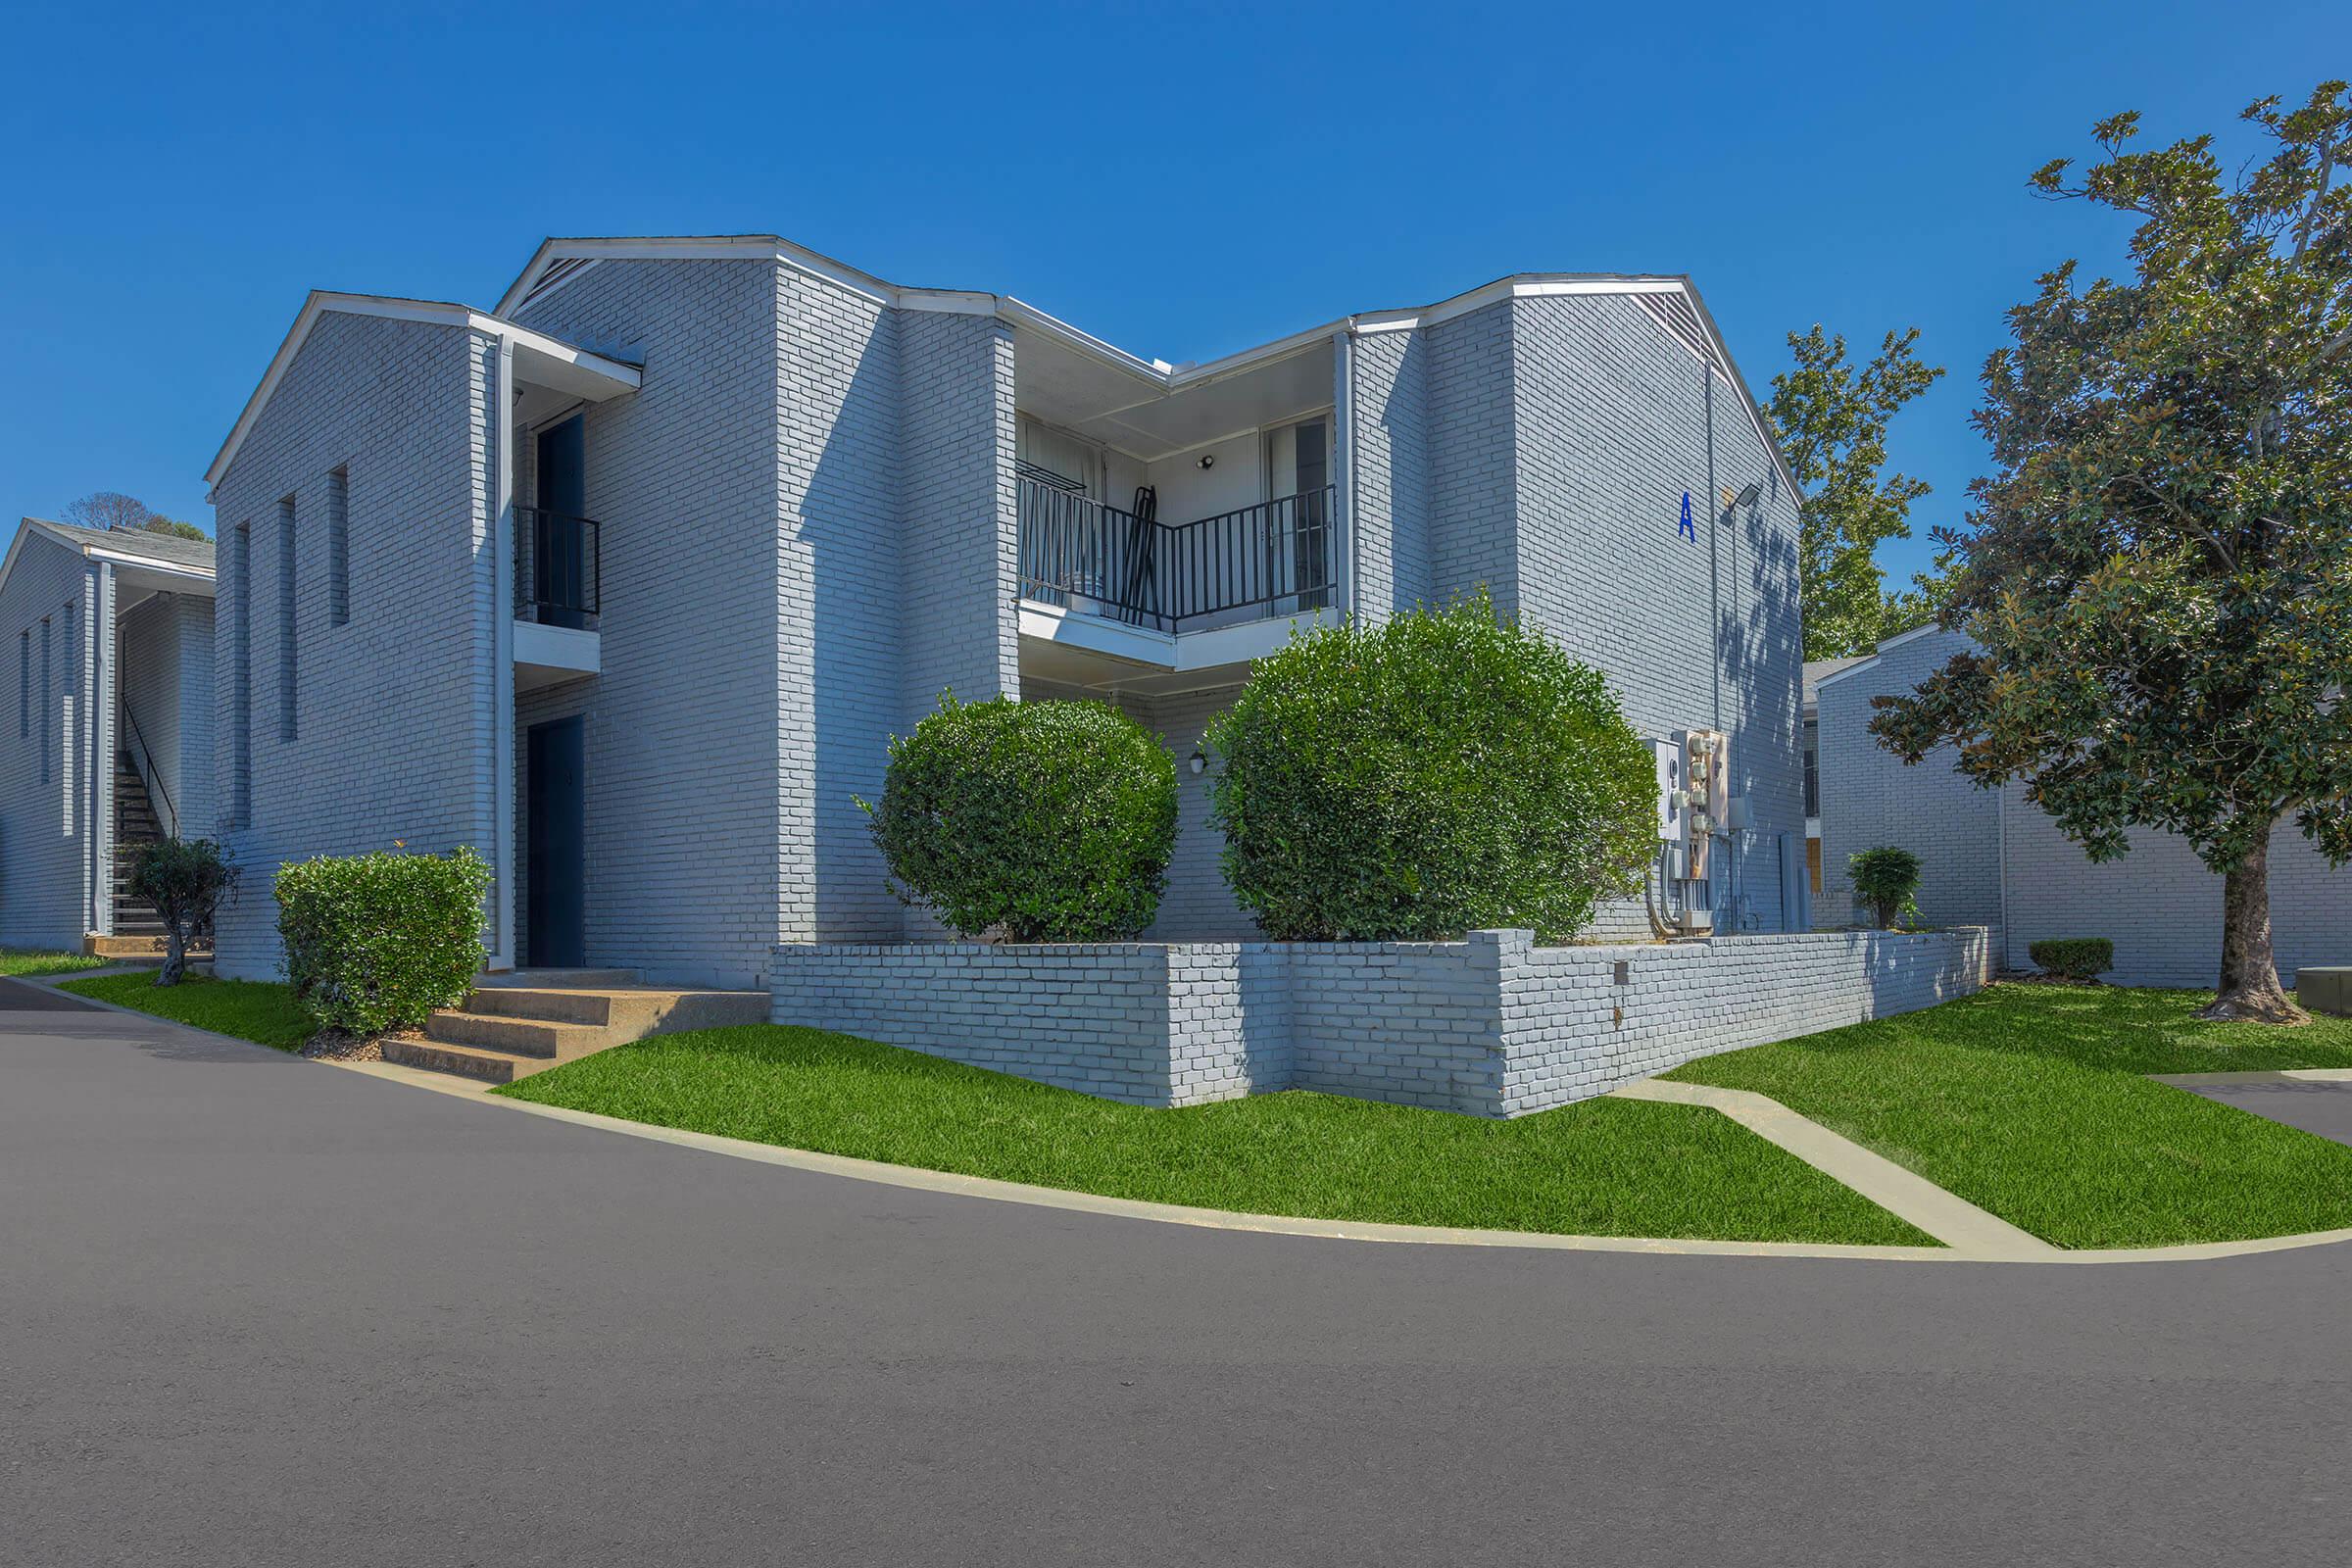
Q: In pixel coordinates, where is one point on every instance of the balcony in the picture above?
(559, 593)
(1276, 559)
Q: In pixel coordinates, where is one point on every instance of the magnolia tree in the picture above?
(2158, 575)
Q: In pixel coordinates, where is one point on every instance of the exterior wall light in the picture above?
(1199, 762)
(1208, 459)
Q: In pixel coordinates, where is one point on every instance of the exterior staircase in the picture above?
(514, 1025)
(138, 928)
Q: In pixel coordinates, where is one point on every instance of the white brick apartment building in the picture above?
(627, 581)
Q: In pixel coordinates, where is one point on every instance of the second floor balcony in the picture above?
(1277, 558)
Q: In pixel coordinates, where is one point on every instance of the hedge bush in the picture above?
(2074, 957)
(1048, 821)
(376, 942)
(1885, 878)
(1441, 773)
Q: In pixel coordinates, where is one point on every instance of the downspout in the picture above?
(1342, 472)
(502, 634)
(104, 694)
(1706, 382)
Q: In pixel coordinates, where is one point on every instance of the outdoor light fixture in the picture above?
(1200, 763)
(1208, 459)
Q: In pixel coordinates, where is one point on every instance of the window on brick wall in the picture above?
(65, 716)
(44, 699)
(338, 548)
(241, 675)
(285, 620)
(25, 683)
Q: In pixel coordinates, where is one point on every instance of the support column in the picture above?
(503, 802)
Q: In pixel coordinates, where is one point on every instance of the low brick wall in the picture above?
(1493, 1026)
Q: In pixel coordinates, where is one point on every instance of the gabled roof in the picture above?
(187, 558)
(1671, 300)
(554, 357)
(1820, 669)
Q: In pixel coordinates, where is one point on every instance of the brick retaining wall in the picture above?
(1492, 1026)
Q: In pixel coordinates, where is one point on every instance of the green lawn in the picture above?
(1604, 1167)
(259, 1010)
(25, 960)
(2031, 1101)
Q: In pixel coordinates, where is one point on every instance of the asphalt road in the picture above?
(255, 1310)
(2320, 1108)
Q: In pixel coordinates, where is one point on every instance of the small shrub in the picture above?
(1048, 821)
(376, 942)
(1441, 773)
(2074, 957)
(185, 879)
(1886, 879)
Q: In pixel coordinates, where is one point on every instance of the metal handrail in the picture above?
(150, 777)
(1076, 553)
(559, 566)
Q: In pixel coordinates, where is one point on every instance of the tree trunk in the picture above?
(176, 951)
(2249, 988)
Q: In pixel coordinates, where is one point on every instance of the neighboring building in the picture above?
(113, 739)
(1810, 742)
(820, 499)
(1989, 858)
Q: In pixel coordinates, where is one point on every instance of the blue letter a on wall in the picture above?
(1687, 528)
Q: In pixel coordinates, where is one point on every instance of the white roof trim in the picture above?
(1835, 676)
(618, 376)
(1155, 372)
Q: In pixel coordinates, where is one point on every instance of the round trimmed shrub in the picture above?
(378, 941)
(1885, 878)
(1441, 773)
(1048, 821)
(2074, 957)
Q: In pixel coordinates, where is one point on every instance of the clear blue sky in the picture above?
(1182, 182)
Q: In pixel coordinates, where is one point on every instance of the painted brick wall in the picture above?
(2161, 905)
(683, 868)
(394, 707)
(166, 687)
(1473, 460)
(1869, 798)
(1615, 421)
(1492, 1026)
(1990, 856)
(45, 876)
(1411, 1023)
(1388, 457)
(1575, 1032)
(957, 539)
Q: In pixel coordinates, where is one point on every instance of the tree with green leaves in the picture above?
(1830, 418)
(111, 508)
(2158, 577)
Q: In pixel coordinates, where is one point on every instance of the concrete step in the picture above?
(467, 1061)
(521, 1037)
(638, 1009)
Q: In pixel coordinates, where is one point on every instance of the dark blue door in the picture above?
(558, 533)
(556, 845)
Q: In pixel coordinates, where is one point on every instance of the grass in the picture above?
(260, 1011)
(2031, 1101)
(1610, 1167)
(27, 960)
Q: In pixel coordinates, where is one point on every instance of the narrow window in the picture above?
(338, 548)
(241, 675)
(25, 683)
(44, 699)
(66, 711)
(285, 620)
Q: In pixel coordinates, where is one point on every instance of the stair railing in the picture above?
(148, 774)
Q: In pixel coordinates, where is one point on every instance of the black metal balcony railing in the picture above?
(558, 567)
(1276, 558)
